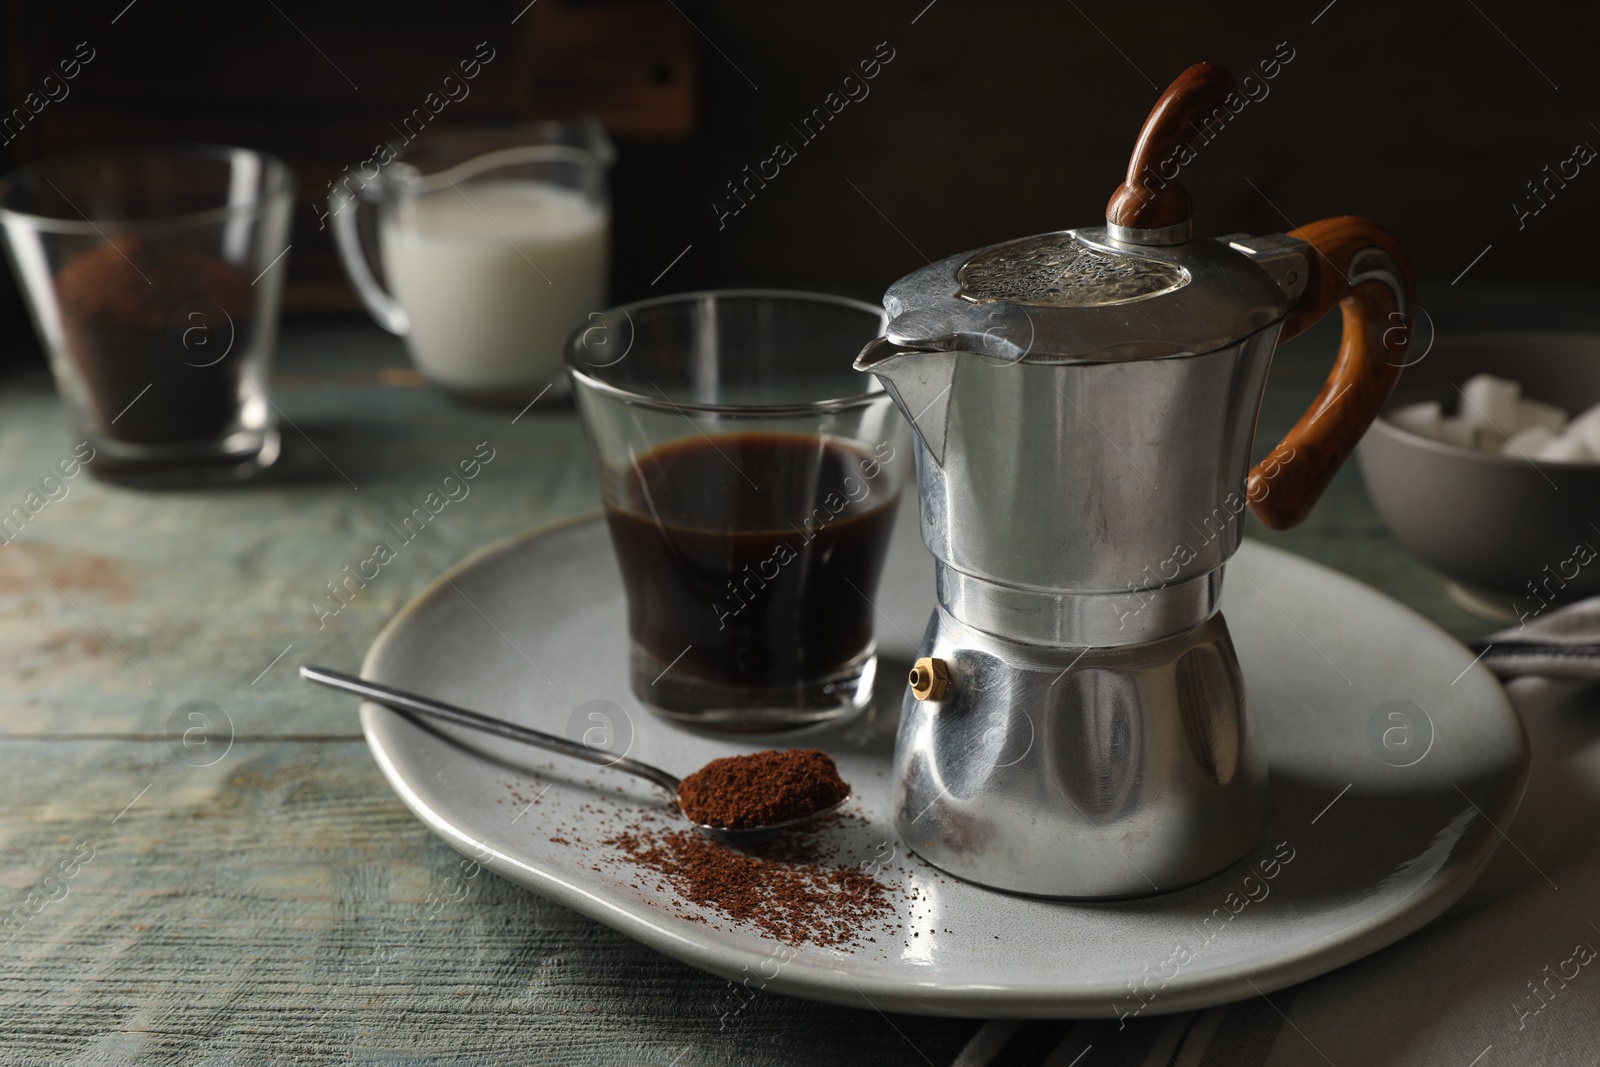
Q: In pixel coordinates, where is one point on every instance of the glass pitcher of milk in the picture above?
(494, 245)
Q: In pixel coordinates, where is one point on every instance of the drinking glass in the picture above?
(153, 277)
(750, 480)
(494, 244)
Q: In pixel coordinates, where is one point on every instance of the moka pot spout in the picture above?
(919, 379)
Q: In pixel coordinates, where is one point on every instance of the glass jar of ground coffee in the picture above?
(153, 277)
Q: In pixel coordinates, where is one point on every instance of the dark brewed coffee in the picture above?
(749, 559)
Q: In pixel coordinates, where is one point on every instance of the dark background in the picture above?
(993, 119)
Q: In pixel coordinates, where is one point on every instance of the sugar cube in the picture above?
(1566, 448)
(1418, 418)
(1490, 401)
(1586, 430)
(1526, 443)
(1488, 439)
(1538, 413)
(1585, 418)
(1456, 430)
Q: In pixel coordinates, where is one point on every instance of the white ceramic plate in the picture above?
(1348, 686)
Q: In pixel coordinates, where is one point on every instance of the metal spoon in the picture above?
(402, 701)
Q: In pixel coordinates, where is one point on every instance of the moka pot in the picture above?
(1085, 408)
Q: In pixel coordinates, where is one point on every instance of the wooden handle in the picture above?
(1283, 487)
(1148, 197)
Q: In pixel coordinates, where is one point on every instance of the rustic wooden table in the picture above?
(244, 885)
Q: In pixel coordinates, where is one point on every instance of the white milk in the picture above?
(494, 277)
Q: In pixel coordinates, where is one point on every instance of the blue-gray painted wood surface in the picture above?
(255, 893)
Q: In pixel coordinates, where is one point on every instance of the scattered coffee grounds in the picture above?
(786, 890)
(135, 313)
(835, 881)
(744, 792)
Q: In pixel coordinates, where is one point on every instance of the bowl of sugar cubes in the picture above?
(1486, 464)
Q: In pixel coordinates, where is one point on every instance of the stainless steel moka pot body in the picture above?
(1085, 406)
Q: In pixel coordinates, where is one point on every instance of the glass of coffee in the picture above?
(750, 480)
(153, 277)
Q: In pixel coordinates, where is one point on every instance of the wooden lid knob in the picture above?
(1149, 197)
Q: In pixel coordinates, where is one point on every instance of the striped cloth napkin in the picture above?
(1564, 643)
(1238, 1035)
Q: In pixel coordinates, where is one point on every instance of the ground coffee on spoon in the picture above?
(763, 788)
